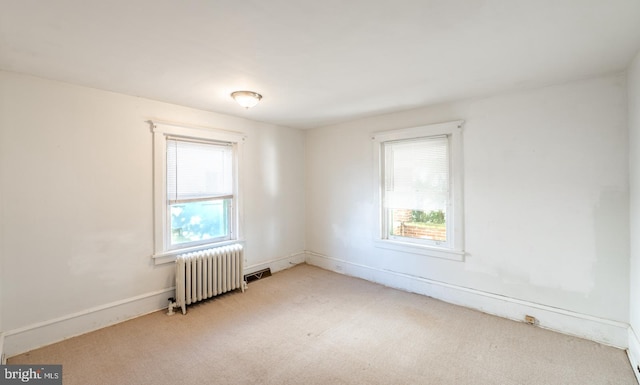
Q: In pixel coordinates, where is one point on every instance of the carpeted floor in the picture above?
(306, 325)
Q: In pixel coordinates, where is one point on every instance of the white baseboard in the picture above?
(24, 339)
(33, 336)
(597, 329)
(618, 334)
(634, 352)
(278, 263)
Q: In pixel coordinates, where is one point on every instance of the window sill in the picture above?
(170, 256)
(429, 251)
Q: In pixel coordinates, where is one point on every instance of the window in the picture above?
(199, 192)
(419, 182)
(196, 189)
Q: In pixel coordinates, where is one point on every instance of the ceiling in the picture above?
(317, 62)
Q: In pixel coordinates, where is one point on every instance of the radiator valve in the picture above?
(172, 304)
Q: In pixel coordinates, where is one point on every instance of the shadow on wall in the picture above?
(612, 247)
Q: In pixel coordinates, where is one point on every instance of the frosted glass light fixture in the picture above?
(246, 99)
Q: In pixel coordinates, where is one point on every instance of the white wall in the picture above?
(546, 201)
(2, 360)
(76, 203)
(634, 174)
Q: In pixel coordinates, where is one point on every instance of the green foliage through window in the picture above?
(196, 221)
(436, 217)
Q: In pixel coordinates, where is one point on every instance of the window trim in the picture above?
(161, 130)
(455, 250)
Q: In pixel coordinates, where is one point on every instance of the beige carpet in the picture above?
(310, 326)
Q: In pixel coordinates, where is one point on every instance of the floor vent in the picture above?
(264, 273)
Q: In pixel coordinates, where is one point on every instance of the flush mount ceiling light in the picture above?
(246, 99)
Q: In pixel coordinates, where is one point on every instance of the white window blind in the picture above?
(417, 174)
(198, 170)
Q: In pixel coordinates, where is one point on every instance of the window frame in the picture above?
(163, 251)
(453, 249)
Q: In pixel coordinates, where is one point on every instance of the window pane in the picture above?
(197, 221)
(417, 174)
(418, 224)
(198, 170)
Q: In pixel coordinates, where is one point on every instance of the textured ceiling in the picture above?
(316, 62)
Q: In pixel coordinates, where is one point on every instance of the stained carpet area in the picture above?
(306, 325)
